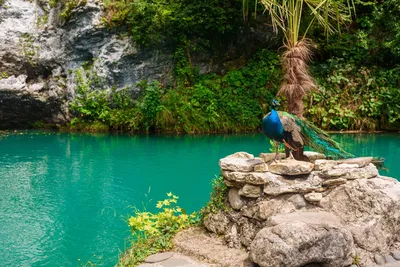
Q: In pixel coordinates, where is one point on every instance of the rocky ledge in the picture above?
(327, 213)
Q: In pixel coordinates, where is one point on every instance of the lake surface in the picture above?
(64, 197)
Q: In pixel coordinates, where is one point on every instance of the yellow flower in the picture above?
(169, 194)
(159, 205)
(148, 228)
(166, 202)
(132, 221)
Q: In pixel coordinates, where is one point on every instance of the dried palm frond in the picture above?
(297, 81)
(287, 16)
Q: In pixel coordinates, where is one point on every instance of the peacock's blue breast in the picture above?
(272, 126)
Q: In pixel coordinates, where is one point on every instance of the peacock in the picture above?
(295, 133)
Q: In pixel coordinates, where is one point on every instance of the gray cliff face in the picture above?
(39, 53)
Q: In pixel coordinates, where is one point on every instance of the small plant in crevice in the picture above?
(69, 5)
(4, 75)
(27, 48)
(356, 260)
(153, 232)
(218, 198)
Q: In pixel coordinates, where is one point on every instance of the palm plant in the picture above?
(288, 16)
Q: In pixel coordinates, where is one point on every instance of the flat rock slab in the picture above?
(389, 259)
(313, 197)
(251, 191)
(350, 172)
(394, 264)
(278, 185)
(196, 243)
(311, 218)
(158, 257)
(268, 157)
(291, 167)
(313, 156)
(254, 178)
(322, 164)
(176, 260)
(242, 162)
(173, 262)
(396, 255)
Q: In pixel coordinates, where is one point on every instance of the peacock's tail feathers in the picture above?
(318, 139)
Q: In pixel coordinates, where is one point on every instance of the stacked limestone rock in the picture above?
(292, 213)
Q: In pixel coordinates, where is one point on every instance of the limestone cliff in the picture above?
(40, 51)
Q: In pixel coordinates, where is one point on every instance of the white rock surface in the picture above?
(291, 167)
(300, 239)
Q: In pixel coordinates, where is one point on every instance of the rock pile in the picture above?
(291, 213)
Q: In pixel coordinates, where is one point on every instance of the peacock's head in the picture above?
(275, 103)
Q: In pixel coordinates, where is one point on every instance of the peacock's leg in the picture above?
(290, 154)
(276, 150)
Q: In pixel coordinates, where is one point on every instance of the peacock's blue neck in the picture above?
(272, 126)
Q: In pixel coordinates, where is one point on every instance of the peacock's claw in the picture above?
(290, 155)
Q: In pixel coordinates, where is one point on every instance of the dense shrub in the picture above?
(155, 21)
(357, 72)
(352, 97)
(230, 103)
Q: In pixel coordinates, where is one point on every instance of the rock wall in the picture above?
(40, 51)
(326, 213)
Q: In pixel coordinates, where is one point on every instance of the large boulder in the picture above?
(370, 209)
(342, 211)
(303, 238)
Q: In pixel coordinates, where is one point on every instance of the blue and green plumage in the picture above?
(295, 133)
(319, 140)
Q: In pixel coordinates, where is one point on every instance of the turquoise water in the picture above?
(64, 197)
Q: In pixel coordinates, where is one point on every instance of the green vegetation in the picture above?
(66, 11)
(234, 102)
(290, 17)
(68, 6)
(42, 20)
(357, 72)
(275, 146)
(218, 197)
(153, 232)
(202, 23)
(355, 97)
(356, 260)
(4, 75)
(27, 48)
